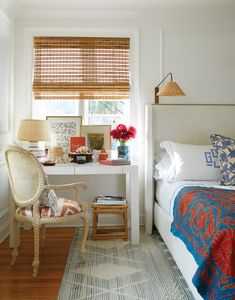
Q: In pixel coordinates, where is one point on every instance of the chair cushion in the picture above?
(65, 207)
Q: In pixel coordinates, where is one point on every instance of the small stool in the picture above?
(110, 232)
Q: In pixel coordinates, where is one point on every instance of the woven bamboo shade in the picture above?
(82, 68)
(171, 89)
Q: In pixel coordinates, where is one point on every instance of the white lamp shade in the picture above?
(33, 130)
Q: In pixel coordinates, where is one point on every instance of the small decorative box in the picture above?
(87, 155)
(103, 156)
(80, 159)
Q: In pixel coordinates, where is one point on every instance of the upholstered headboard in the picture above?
(191, 124)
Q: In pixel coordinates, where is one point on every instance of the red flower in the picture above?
(121, 128)
(122, 133)
(222, 251)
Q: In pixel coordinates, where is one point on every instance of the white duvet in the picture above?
(167, 191)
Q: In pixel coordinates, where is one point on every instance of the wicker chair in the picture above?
(28, 181)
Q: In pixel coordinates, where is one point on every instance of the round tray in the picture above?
(48, 163)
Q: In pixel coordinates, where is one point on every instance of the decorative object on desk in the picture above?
(103, 155)
(57, 154)
(82, 149)
(115, 162)
(34, 131)
(95, 156)
(97, 136)
(169, 89)
(123, 134)
(76, 142)
(80, 159)
(48, 163)
(62, 128)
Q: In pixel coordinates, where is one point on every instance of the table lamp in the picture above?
(34, 131)
(169, 89)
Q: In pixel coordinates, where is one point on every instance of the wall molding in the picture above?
(6, 128)
(4, 212)
(4, 224)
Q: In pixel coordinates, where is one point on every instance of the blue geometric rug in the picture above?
(118, 270)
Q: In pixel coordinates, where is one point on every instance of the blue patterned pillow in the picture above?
(225, 147)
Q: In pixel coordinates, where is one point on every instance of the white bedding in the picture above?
(166, 191)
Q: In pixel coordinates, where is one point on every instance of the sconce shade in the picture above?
(171, 89)
(33, 130)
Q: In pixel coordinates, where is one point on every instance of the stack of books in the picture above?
(110, 200)
(115, 162)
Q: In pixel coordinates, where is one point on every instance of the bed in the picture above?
(190, 124)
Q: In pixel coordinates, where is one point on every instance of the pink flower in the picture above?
(122, 133)
(121, 127)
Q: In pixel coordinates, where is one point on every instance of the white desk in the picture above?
(132, 185)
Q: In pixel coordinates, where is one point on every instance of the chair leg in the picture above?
(84, 236)
(43, 235)
(36, 262)
(16, 241)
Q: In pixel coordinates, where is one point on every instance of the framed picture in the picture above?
(97, 136)
(62, 128)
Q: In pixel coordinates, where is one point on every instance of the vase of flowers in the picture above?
(123, 134)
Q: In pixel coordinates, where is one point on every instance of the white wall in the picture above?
(198, 48)
(6, 110)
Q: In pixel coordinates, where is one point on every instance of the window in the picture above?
(68, 70)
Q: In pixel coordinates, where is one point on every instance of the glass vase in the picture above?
(123, 151)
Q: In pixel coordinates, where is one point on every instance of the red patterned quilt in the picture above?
(204, 219)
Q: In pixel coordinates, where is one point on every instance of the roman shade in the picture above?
(80, 68)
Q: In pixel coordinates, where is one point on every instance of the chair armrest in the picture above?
(70, 186)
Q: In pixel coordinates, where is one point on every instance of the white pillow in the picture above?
(192, 162)
(164, 168)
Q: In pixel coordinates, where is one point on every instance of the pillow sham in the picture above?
(164, 169)
(192, 162)
(48, 196)
(225, 148)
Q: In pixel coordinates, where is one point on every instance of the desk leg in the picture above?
(132, 194)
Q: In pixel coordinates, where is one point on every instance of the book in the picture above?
(110, 200)
(115, 162)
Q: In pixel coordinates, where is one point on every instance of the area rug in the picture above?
(118, 270)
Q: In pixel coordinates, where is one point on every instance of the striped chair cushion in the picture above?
(65, 207)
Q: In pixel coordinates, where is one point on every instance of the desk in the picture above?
(132, 191)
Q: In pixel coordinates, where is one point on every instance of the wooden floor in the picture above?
(17, 283)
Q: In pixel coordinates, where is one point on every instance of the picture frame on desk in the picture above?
(62, 128)
(97, 136)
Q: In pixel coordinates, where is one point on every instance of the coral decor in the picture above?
(122, 133)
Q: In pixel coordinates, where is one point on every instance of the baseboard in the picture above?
(4, 224)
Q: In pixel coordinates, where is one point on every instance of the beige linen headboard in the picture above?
(191, 124)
